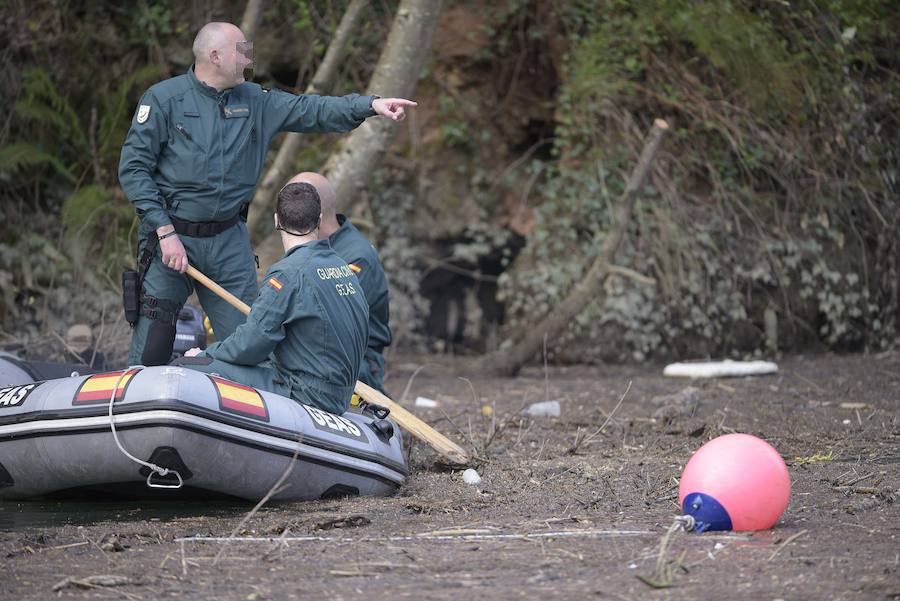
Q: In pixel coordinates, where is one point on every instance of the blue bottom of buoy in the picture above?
(706, 511)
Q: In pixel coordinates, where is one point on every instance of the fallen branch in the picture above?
(631, 275)
(98, 581)
(511, 357)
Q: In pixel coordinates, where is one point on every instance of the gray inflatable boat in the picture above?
(171, 426)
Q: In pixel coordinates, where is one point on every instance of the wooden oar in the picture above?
(404, 418)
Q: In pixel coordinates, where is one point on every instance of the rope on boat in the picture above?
(154, 469)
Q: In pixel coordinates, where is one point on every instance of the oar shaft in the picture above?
(224, 294)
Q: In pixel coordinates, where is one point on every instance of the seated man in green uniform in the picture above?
(189, 164)
(362, 257)
(306, 332)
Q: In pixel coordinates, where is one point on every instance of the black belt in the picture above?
(202, 229)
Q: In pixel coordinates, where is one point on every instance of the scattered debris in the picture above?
(849, 485)
(787, 541)
(817, 458)
(98, 581)
(457, 532)
(426, 403)
(111, 542)
(853, 405)
(470, 476)
(676, 405)
(579, 441)
(719, 369)
(662, 575)
(353, 521)
(543, 409)
(355, 573)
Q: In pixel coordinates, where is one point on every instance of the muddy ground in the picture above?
(588, 509)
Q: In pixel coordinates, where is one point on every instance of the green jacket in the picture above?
(354, 248)
(197, 153)
(311, 317)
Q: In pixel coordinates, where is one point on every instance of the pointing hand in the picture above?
(392, 108)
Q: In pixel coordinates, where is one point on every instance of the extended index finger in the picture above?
(403, 102)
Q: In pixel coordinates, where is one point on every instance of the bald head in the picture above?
(215, 36)
(323, 187)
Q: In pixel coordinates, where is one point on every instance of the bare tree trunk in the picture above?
(508, 361)
(252, 17)
(396, 75)
(264, 197)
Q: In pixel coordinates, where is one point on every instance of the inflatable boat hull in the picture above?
(218, 435)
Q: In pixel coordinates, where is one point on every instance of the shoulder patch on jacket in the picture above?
(275, 283)
(355, 267)
(143, 113)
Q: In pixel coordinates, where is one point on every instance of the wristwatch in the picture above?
(371, 102)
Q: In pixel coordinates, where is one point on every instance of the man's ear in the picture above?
(214, 57)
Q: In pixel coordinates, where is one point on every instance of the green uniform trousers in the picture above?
(226, 258)
(263, 377)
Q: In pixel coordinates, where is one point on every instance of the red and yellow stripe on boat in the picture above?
(239, 399)
(99, 387)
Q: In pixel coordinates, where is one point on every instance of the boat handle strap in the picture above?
(152, 484)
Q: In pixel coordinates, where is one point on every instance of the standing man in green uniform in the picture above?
(363, 259)
(189, 164)
(306, 332)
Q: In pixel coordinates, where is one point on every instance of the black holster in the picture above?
(133, 281)
(131, 295)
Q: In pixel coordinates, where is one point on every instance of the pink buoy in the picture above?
(735, 482)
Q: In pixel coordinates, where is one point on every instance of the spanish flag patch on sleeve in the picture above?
(356, 268)
(275, 283)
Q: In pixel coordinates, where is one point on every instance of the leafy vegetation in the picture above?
(777, 191)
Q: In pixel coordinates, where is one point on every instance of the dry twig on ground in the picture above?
(276, 488)
(587, 439)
